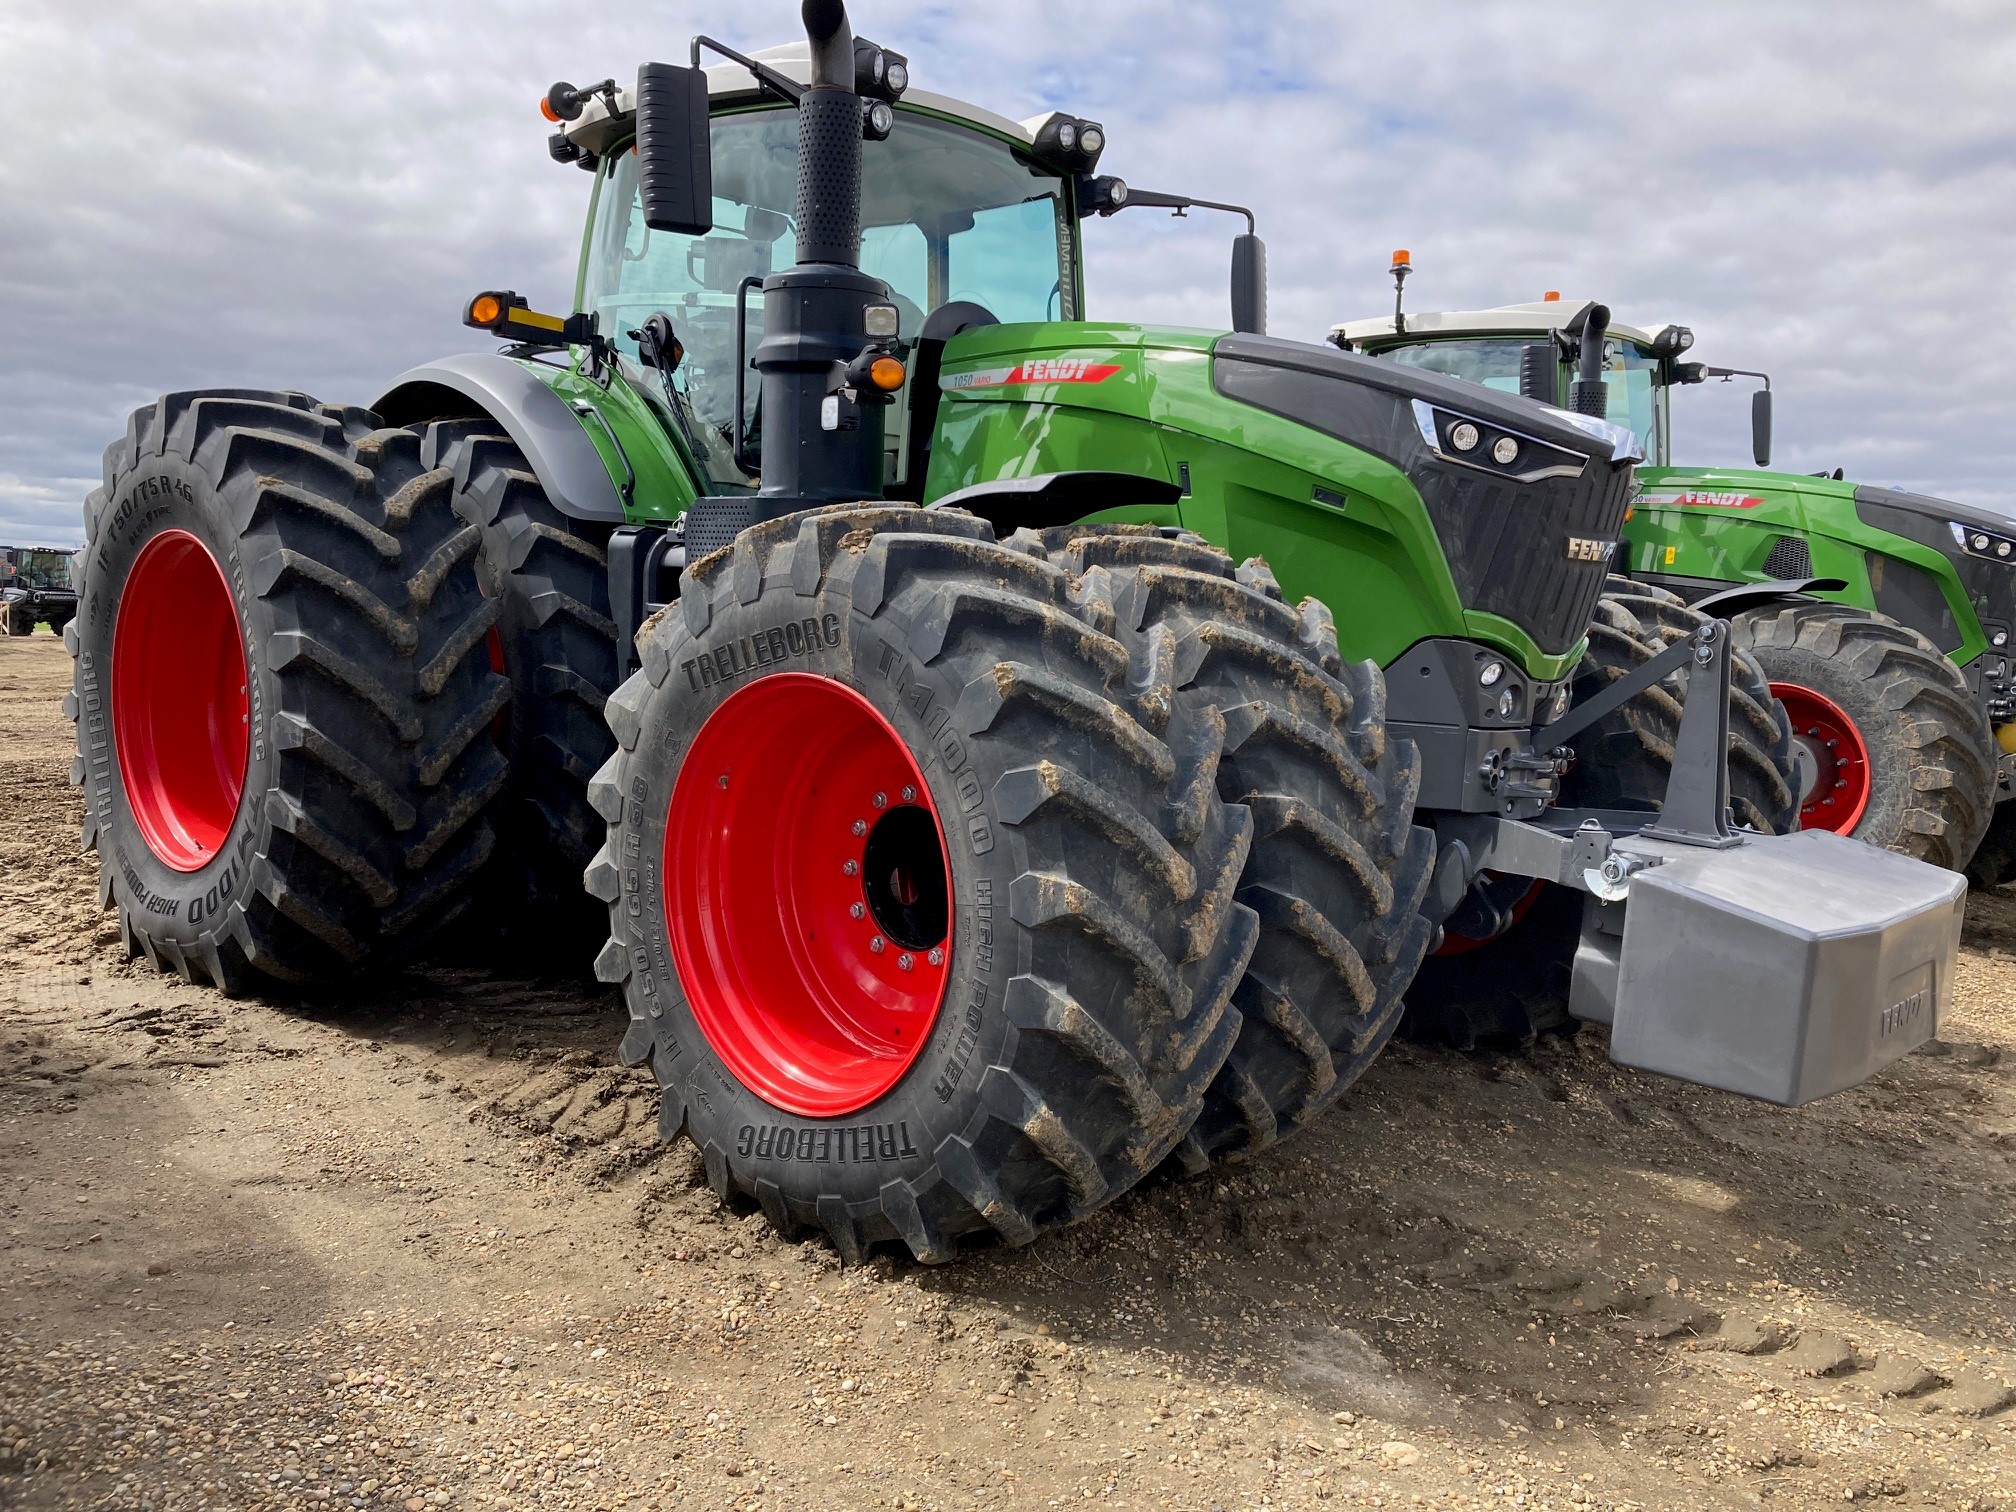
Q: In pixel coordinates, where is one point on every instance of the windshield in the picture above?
(1634, 396)
(30, 568)
(947, 214)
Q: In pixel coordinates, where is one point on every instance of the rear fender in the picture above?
(569, 467)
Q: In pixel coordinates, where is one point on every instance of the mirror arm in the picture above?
(1725, 374)
(766, 77)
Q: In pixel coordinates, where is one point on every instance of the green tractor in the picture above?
(36, 588)
(1882, 618)
(1007, 752)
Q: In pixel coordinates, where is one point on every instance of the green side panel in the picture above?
(1335, 523)
(664, 474)
(1721, 524)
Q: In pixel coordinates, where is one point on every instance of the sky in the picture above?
(304, 194)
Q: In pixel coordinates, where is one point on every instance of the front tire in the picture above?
(281, 700)
(1047, 1007)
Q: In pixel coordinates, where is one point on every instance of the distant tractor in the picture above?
(1882, 618)
(36, 588)
(1007, 751)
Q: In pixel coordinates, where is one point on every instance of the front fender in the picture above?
(569, 467)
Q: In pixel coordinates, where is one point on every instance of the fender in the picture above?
(1731, 602)
(568, 466)
(1058, 498)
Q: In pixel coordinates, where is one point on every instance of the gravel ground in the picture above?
(419, 1247)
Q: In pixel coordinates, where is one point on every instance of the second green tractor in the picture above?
(1881, 617)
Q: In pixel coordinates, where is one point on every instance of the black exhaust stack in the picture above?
(822, 436)
(1589, 396)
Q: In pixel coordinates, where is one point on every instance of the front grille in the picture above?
(1790, 557)
(1507, 543)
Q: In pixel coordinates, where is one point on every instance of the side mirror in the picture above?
(1760, 427)
(1538, 362)
(1249, 284)
(675, 176)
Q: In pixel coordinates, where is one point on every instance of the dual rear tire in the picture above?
(280, 692)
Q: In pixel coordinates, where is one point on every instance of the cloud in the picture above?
(235, 193)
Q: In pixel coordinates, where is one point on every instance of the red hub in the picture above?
(1839, 754)
(180, 710)
(806, 894)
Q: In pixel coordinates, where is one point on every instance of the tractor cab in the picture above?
(955, 207)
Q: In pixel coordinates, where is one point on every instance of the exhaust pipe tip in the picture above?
(832, 42)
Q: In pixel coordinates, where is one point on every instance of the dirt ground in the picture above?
(421, 1248)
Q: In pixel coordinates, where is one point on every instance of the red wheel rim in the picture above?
(1839, 753)
(806, 894)
(180, 711)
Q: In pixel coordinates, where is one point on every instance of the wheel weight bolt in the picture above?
(856, 910)
(878, 944)
(937, 956)
(880, 800)
(909, 795)
(860, 826)
(905, 961)
(850, 867)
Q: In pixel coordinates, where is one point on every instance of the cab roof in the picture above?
(1534, 319)
(728, 82)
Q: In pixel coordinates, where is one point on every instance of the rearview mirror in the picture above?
(1538, 365)
(1249, 285)
(1760, 427)
(675, 178)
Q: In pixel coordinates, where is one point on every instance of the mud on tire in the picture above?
(1337, 869)
(1094, 940)
(1507, 990)
(1931, 774)
(341, 822)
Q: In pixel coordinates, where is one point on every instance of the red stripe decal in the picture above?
(1045, 370)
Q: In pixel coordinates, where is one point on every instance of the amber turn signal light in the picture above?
(886, 373)
(485, 312)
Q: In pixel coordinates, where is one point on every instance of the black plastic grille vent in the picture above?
(1790, 557)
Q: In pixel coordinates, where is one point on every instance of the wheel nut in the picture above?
(937, 956)
(905, 961)
(878, 944)
(856, 910)
(909, 795)
(860, 826)
(850, 867)
(881, 800)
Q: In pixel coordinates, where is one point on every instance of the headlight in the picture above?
(1508, 703)
(1559, 708)
(1504, 451)
(1490, 672)
(1463, 437)
(1092, 141)
(1490, 447)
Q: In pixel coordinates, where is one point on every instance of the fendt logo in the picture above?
(1698, 498)
(1590, 549)
(1902, 1014)
(1046, 370)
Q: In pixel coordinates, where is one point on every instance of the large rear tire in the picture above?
(283, 707)
(1337, 869)
(920, 892)
(555, 639)
(1901, 742)
(1510, 988)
